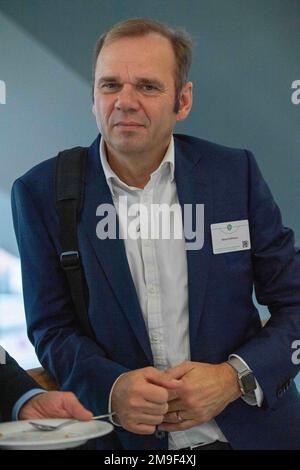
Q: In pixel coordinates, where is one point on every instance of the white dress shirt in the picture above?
(159, 272)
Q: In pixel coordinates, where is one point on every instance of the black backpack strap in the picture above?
(69, 186)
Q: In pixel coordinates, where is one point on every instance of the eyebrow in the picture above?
(108, 79)
(140, 80)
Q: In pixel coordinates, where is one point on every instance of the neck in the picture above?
(134, 170)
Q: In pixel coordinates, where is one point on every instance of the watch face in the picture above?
(248, 382)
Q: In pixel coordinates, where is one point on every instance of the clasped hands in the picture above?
(177, 399)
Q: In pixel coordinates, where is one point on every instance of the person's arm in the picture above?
(14, 383)
(21, 397)
(276, 266)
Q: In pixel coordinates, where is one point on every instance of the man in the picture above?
(22, 398)
(179, 352)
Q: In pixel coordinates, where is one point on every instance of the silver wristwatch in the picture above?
(246, 377)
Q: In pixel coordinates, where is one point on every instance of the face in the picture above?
(134, 95)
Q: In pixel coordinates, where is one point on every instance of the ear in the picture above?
(186, 101)
(93, 110)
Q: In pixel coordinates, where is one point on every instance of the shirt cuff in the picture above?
(256, 397)
(23, 399)
(111, 419)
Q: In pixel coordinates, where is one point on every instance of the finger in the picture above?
(176, 405)
(155, 394)
(155, 409)
(177, 372)
(143, 429)
(172, 395)
(74, 408)
(176, 417)
(162, 379)
(145, 406)
(180, 426)
(151, 408)
(130, 422)
(149, 419)
(171, 418)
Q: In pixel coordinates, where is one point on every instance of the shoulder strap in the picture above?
(69, 187)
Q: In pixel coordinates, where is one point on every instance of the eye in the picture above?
(148, 88)
(110, 86)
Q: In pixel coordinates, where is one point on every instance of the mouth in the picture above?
(128, 125)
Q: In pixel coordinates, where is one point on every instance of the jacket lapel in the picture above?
(111, 252)
(193, 176)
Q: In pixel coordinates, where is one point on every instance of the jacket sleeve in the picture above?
(76, 362)
(276, 271)
(14, 382)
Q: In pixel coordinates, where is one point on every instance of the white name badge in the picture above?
(230, 236)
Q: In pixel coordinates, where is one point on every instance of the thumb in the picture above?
(177, 372)
(162, 379)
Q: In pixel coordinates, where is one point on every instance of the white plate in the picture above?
(21, 435)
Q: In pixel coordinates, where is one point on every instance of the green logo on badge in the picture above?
(229, 227)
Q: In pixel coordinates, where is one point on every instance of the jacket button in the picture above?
(160, 434)
(279, 393)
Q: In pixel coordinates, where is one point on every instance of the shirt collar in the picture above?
(111, 177)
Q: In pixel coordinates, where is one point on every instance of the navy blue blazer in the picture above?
(222, 316)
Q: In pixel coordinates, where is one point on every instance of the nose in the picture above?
(127, 99)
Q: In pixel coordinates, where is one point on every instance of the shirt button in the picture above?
(154, 337)
(152, 290)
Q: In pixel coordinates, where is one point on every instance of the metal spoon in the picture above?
(50, 427)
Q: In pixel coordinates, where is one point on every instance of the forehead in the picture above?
(150, 54)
